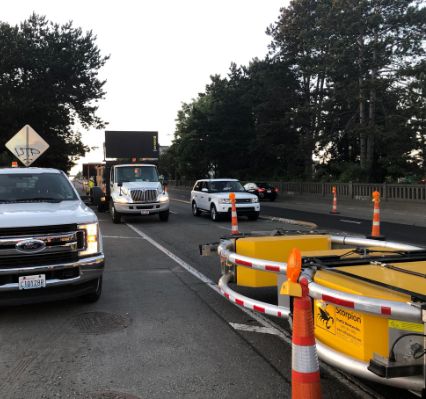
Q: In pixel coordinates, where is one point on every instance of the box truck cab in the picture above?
(135, 189)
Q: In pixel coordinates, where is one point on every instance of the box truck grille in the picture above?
(144, 195)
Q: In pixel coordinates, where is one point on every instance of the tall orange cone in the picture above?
(305, 375)
(234, 218)
(334, 208)
(375, 229)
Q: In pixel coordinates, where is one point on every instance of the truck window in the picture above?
(32, 187)
(136, 173)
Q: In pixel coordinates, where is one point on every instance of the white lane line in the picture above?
(179, 200)
(223, 227)
(174, 213)
(138, 238)
(350, 221)
(256, 329)
(362, 391)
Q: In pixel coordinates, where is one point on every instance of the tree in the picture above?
(49, 80)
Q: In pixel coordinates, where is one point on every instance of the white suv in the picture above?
(212, 195)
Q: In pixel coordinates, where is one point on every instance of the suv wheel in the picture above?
(195, 210)
(214, 214)
(116, 217)
(253, 216)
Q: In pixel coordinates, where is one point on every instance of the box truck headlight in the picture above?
(91, 237)
(164, 197)
(122, 199)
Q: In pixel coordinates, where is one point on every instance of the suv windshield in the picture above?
(23, 187)
(225, 186)
(136, 173)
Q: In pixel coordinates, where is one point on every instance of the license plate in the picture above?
(268, 191)
(144, 212)
(31, 282)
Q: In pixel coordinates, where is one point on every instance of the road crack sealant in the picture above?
(358, 388)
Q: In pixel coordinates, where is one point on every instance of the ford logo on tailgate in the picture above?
(30, 246)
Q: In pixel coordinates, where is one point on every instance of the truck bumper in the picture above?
(85, 273)
(142, 209)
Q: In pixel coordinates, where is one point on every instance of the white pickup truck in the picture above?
(50, 243)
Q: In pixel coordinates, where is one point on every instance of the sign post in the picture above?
(27, 145)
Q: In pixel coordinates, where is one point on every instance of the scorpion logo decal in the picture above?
(325, 318)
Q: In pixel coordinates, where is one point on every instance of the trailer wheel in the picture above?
(116, 217)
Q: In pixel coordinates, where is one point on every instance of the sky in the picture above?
(162, 52)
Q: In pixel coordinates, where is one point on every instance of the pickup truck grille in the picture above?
(144, 195)
(52, 244)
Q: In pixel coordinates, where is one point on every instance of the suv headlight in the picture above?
(255, 199)
(91, 235)
(224, 201)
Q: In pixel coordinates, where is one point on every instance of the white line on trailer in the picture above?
(357, 387)
(350, 221)
(256, 329)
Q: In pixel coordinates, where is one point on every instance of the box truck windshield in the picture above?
(136, 174)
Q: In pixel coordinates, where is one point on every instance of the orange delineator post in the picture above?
(305, 374)
(375, 229)
(334, 208)
(234, 218)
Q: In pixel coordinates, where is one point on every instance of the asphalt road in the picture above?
(158, 330)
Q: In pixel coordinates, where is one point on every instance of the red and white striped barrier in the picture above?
(248, 303)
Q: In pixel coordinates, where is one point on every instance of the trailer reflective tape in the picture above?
(258, 309)
(241, 262)
(338, 301)
(272, 268)
(304, 359)
(386, 310)
(239, 302)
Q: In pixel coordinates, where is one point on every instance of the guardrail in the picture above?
(357, 191)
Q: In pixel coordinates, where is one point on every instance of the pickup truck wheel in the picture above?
(195, 210)
(214, 215)
(96, 294)
(164, 216)
(116, 217)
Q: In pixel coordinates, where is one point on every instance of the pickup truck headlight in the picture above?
(255, 199)
(92, 238)
(224, 201)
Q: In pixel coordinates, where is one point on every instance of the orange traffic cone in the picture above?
(334, 208)
(375, 229)
(234, 218)
(305, 375)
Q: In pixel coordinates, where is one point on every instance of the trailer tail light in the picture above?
(276, 189)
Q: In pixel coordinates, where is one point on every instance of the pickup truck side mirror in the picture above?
(120, 184)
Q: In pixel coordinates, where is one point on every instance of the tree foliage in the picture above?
(340, 95)
(49, 80)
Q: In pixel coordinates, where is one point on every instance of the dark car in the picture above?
(262, 190)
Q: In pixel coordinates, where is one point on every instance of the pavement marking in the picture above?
(256, 329)
(138, 238)
(362, 391)
(174, 213)
(350, 221)
(179, 200)
(223, 227)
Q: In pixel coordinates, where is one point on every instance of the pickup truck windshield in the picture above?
(226, 186)
(37, 187)
(136, 173)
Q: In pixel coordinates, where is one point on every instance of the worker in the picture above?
(91, 185)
